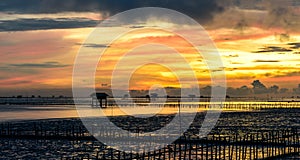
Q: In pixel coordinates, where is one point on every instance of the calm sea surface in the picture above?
(31, 112)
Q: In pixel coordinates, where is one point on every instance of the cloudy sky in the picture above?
(39, 40)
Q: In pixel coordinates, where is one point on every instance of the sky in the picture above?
(40, 39)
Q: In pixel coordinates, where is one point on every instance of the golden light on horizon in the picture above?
(146, 76)
(159, 50)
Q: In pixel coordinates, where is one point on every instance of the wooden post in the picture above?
(100, 101)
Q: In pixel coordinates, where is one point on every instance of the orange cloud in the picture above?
(23, 55)
(131, 43)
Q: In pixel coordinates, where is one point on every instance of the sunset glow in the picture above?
(255, 45)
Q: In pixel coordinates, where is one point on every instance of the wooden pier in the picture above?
(212, 105)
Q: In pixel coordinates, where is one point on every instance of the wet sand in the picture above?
(230, 123)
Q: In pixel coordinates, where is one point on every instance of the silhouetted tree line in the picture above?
(259, 88)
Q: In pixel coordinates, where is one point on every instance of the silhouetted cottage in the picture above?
(97, 99)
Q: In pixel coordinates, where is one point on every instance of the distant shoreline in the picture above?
(87, 100)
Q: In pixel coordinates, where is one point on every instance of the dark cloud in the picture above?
(241, 25)
(266, 61)
(231, 55)
(219, 69)
(239, 14)
(282, 37)
(236, 63)
(201, 10)
(289, 74)
(40, 65)
(273, 49)
(281, 14)
(93, 45)
(41, 24)
(231, 69)
(11, 71)
(216, 70)
(284, 73)
(268, 74)
(295, 45)
(266, 14)
(15, 82)
(137, 26)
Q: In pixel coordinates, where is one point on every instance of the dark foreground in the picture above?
(265, 134)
